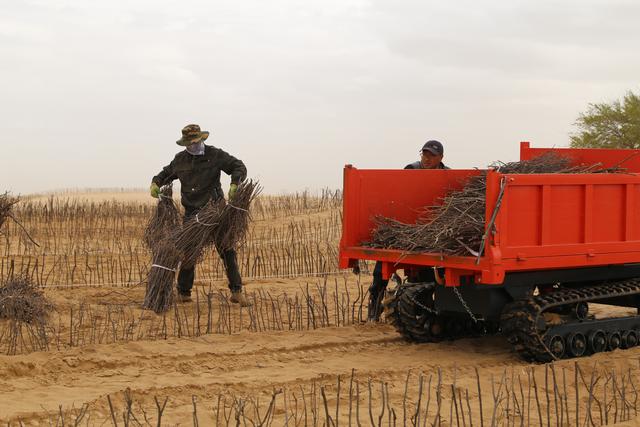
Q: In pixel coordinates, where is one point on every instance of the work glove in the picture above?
(232, 190)
(154, 190)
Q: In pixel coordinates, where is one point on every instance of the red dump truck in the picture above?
(555, 244)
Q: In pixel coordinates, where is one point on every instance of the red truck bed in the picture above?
(545, 221)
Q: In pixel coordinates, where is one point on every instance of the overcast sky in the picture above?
(94, 93)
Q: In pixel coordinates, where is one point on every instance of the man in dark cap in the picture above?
(430, 158)
(198, 168)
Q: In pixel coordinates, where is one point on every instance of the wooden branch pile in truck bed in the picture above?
(457, 224)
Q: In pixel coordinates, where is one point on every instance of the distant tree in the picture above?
(614, 125)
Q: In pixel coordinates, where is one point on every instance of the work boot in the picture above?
(238, 297)
(184, 298)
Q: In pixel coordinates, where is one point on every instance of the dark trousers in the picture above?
(376, 293)
(187, 275)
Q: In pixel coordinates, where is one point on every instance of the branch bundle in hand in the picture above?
(165, 220)
(198, 232)
(235, 218)
(456, 226)
(22, 301)
(218, 223)
(159, 294)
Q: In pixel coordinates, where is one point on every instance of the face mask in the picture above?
(196, 149)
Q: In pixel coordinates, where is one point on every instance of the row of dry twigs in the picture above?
(456, 225)
(113, 217)
(319, 305)
(556, 395)
(312, 256)
(101, 243)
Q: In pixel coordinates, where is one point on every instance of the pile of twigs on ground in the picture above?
(159, 295)
(22, 301)
(219, 223)
(457, 225)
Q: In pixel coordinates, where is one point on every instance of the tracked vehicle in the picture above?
(556, 247)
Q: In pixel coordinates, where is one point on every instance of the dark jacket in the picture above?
(418, 165)
(200, 175)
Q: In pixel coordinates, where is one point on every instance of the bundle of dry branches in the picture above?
(235, 218)
(6, 204)
(165, 220)
(159, 294)
(457, 225)
(22, 301)
(219, 223)
(160, 291)
(198, 232)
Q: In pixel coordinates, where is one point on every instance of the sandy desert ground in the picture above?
(302, 355)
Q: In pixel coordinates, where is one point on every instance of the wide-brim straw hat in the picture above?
(191, 134)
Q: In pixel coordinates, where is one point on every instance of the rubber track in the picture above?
(520, 318)
(409, 319)
(413, 318)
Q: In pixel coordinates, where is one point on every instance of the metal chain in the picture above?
(422, 306)
(462, 301)
(464, 304)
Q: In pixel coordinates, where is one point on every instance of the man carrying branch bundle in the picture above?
(430, 158)
(198, 169)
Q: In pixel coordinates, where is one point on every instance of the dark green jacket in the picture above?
(200, 175)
